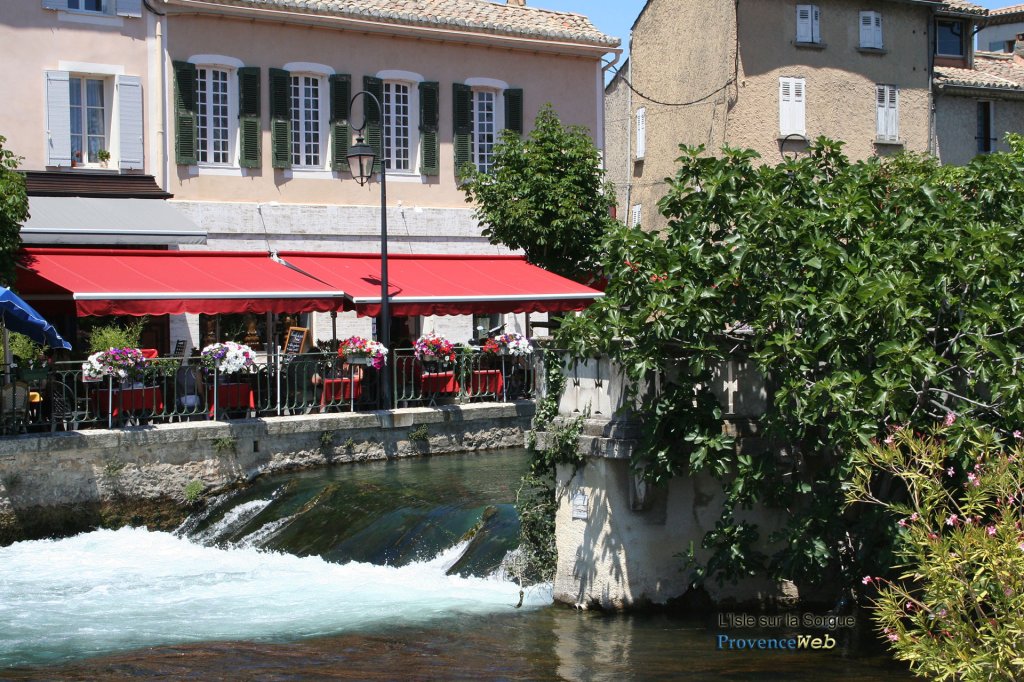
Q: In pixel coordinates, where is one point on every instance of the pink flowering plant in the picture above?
(227, 358)
(432, 347)
(954, 606)
(123, 364)
(358, 347)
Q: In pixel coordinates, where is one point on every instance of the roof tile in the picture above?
(479, 15)
(991, 70)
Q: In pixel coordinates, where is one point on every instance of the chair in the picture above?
(67, 408)
(14, 407)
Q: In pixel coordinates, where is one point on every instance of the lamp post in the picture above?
(360, 159)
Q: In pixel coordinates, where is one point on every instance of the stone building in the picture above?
(770, 75)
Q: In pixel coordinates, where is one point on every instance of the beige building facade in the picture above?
(771, 75)
(243, 111)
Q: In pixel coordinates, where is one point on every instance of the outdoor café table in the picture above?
(236, 396)
(433, 384)
(340, 390)
(115, 403)
(486, 381)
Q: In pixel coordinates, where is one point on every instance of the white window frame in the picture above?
(887, 113)
(990, 142)
(870, 29)
(808, 24)
(635, 214)
(792, 106)
(641, 133)
(411, 80)
(231, 65)
(321, 121)
(482, 151)
(497, 88)
(108, 109)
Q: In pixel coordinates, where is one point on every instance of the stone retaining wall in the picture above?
(63, 482)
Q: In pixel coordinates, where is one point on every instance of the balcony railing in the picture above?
(60, 398)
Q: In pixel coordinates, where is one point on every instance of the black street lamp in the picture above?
(360, 160)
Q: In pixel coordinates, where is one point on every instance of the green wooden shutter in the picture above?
(185, 121)
(280, 119)
(514, 110)
(462, 113)
(374, 117)
(249, 117)
(341, 93)
(430, 115)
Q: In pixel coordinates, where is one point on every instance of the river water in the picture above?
(354, 572)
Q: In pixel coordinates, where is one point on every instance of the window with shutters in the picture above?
(986, 140)
(305, 96)
(949, 37)
(89, 122)
(871, 30)
(86, 11)
(215, 114)
(398, 126)
(481, 109)
(88, 5)
(888, 113)
(641, 133)
(792, 116)
(808, 29)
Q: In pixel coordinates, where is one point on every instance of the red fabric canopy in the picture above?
(148, 282)
(436, 284)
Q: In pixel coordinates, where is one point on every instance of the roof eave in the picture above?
(959, 90)
(372, 25)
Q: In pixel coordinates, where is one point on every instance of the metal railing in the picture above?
(170, 390)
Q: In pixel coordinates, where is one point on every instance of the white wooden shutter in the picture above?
(887, 110)
(871, 29)
(804, 17)
(641, 132)
(792, 118)
(58, 119)
(815, 24)
(129, 106)
(129, 8)
(635, 218)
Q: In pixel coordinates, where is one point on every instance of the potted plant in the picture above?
(76, 159)
(127, 365)
(434, 351)
(359, 351)
(227, 358)
(30, 358)
(104, 156)
(513, 343)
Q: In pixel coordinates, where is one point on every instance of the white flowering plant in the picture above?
(228, 357)
(513, 343)
(124, 364)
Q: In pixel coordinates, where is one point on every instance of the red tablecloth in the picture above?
(230, 397)
(439, 382)
(486, 381)
(340, 390)
(149, 399)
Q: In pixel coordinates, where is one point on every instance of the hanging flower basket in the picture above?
(359, 351)
(434, 349)
(123, 364)
(227, 358)
(513, 343)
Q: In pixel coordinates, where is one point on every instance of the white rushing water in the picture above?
(108, 591)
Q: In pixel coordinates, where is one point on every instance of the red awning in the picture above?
(433, 284)
(147, 282)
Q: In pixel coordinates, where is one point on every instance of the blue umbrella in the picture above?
(18, 316)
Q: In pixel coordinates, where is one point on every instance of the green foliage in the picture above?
(116, 336)
(349, 444)
(546, 195)
(326, 440)
(193, 491)
(956, 609)
(25, 349)
(867, 294)
(420, 434)
(225, 445)
(13, 211)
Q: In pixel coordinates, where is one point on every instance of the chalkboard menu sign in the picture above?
(295, 340)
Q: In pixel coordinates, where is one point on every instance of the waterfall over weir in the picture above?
(313, 553)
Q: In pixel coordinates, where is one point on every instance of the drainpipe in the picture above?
(161, 132)
(932, 147)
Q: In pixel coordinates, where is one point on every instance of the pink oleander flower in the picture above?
(950, 472)
(950, 419)
(933, 536)
(914, 517)
(951, 521)
(1017, 435)
(867, 580)
(991, 530)
(902, 523)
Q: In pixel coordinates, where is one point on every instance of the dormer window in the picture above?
(949, 37)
